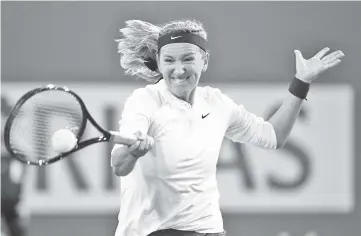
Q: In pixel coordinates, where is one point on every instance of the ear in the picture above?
(206, 60)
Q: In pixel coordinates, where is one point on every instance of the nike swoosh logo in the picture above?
(204, 116)
(175, 37)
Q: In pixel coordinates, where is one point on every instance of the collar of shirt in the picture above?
(173, 101)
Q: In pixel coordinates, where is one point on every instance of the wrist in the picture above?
(306, 78)
(133, 156)
(299, 88)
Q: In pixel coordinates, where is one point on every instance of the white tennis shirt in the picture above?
(174, 185)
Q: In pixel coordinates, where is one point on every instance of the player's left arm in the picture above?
(306, 71)
(246, 127)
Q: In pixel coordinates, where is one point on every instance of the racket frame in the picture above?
(80, 144)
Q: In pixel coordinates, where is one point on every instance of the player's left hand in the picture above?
(308, 70)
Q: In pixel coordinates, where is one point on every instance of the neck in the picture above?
(188, 97)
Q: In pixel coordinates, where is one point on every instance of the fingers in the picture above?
(298, 54)
(146, 144)
(135, 146)
(142, 146)
(140, 135)
(333, 57)
(300, 61)
(126, 138)
(138, 143)
(146, 141)
(332, 64)
(321, 53)
(151, 141)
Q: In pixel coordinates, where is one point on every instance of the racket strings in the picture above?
(39, 118)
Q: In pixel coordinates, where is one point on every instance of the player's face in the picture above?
(181, 65)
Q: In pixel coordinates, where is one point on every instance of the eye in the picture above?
(168, 60)
(189, 59)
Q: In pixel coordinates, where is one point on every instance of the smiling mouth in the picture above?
(181, 80)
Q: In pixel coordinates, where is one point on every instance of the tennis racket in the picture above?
(39, 114)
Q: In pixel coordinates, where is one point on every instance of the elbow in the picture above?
(281, 138)
(281, 143)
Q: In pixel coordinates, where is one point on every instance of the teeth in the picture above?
(178, 81)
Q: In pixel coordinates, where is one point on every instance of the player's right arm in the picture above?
(123, 158)
(136, 119)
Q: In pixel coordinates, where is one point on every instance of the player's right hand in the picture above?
(142, 146)
(122, 154)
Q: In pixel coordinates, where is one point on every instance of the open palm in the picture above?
(308, 70)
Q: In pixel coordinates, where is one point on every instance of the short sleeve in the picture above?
(246, 127)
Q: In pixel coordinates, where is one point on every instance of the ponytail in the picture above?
(138, 46)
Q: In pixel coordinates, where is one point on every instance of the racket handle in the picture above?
(120, 138)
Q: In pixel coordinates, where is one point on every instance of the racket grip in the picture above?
(120, 138)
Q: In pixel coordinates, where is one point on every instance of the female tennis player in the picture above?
(169, 187)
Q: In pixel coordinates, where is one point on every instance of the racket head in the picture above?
(19, 138)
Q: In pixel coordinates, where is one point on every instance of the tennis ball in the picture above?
(63, 140)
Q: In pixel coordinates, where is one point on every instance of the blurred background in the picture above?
(311, 186)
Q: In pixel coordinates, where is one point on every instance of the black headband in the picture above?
(176, 37)
(182, 37)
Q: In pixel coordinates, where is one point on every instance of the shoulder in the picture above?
(146, 96)
(215, 95)
(147, 92)
(211, 92)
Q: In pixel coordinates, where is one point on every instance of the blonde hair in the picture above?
(140, 44)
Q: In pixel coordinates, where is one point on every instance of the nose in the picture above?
(178, 69)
